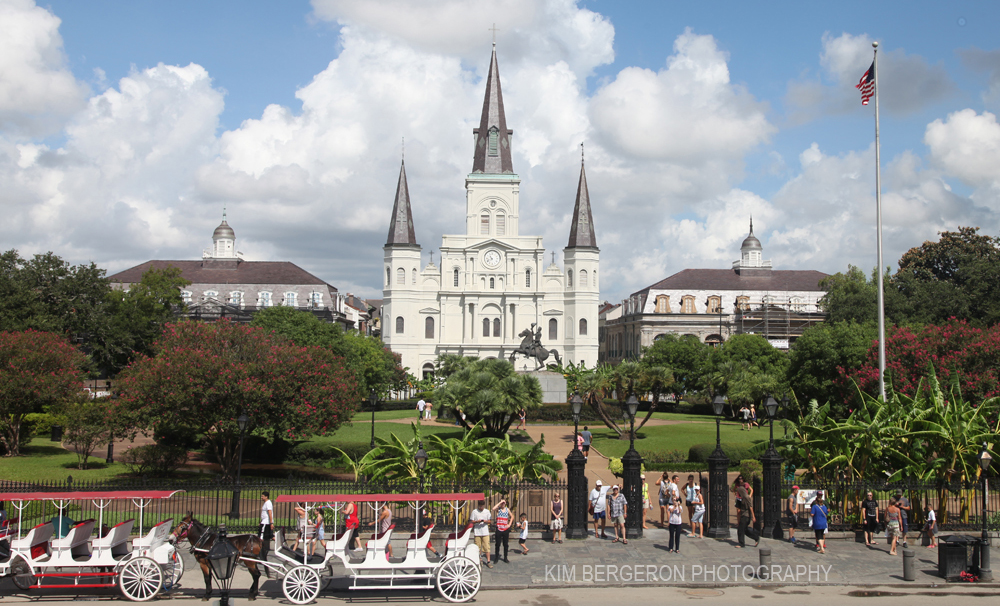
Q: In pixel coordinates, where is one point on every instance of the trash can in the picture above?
(56, 435)
(953, 555)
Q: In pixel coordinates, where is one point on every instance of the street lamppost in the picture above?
(631, 470)
(771, 463)
(222, 560)
(576, 480)
(718, 483)
(420, 458)
(242, 422)
(985, 574)
(373, 400)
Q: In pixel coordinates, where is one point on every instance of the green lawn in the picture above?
(384, 415)
(665, 438)
(360, 433)
(46, 461)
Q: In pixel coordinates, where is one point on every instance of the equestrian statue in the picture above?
(531, 347)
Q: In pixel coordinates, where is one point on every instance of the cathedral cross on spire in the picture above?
(494, 30)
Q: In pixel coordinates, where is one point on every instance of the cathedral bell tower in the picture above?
(402, 266)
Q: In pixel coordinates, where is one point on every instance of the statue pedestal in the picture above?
(553, 385)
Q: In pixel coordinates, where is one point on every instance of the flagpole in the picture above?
(878, 240)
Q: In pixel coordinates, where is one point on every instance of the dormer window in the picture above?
(291, 299)
(493, 147)
(186, 296)
(211, 294)
(265, 299)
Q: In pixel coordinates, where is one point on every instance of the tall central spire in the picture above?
(401, 231)
(581, 230)
(492, 153)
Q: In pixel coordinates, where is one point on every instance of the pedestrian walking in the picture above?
(319, 535)
(522, 537)
(646, 505)
(587, 439)
(480, 518)
(598, 507)
(747, 516)
(819, 513)
(619, 509)
(522, 415)
(745, 416)
(931, 528)
(266, 527)
(675, 519)
(904, 514)
(792, 509)
(502, 534)
(753, 416)
(420, 408)
(892, 525)
(870, 508)
(382, 525)
(352, 523)
(428, 407)
(665, 497)
(697, 526)
(579, 443)
(303, 526)
(556, 524)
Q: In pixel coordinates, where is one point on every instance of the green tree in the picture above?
(822, 354)
(205, 375)
(490, 391)
(86, 425)
(852, 297)
(686, 357)
(37, 370)
(133, 320)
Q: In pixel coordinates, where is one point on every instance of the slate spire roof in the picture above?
(492, 153)
(581, 231)
(401, 225)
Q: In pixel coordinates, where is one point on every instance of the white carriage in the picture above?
(81, 560)
(455, 572)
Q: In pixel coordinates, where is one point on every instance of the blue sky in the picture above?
(132, 124)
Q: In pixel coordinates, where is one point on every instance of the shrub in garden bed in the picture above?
(153, 459)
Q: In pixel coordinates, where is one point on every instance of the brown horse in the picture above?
(203, 538)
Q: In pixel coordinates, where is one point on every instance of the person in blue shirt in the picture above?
(62, 523)
(819, 514)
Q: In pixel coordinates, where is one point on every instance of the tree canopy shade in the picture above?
(822, 354)
(372, 363)
(204, 375)
(37, 369)
(685, 356)
(492, 392)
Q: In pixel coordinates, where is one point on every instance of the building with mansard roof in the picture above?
(493, 282)
(749, 298)
(223, 285)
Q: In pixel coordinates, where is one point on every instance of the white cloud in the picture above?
(37, 91)
(966, 145)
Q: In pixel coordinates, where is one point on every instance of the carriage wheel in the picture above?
(22, 574)
(172, 571)
(301, 585)
(140, 579)
(458, 579)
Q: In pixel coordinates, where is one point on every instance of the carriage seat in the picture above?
(7, 528)
(36, 542)
(413, 540)
(76, 540)
(458, 541)
(116, 540)
(381, 539)
(294, 554)
(156, 536)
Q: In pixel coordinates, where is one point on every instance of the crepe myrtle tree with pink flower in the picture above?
(204, 375)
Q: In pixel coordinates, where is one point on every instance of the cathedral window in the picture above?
(714, 305)
(583, 278)
(687, 304)
(414, 276)
(486, 327)
(743, 303)
(401, 276)
(527, 278)
(291, 299)
(569, 278)
(501, 224)
(492, 283)
(496, 327)
(186, 296)
(265, 299)
(583, 327)
(454, 278)
(429, 328)
(388, 276)
(662, 304)
(494, 143)
(484, 224)
(553, 329)
(399, 325)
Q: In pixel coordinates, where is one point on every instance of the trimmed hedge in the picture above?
(39, 424)
(560, 413)
(699, 453)
(310, 454)
(154, 459)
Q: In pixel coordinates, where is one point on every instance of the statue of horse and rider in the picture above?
(531, 347)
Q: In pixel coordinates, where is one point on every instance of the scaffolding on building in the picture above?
(778, 322)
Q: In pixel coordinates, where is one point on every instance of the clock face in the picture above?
(491, 258)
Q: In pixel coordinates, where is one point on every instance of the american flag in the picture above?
(867, 85)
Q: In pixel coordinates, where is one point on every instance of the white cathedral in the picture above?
(493, 282)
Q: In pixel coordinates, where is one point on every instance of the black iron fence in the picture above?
(211, 502)
(957, 506)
